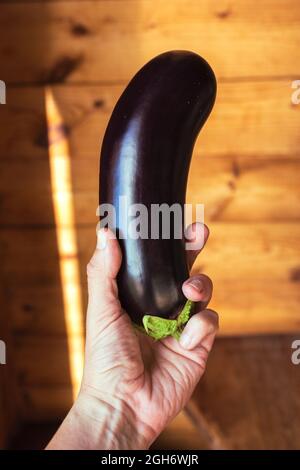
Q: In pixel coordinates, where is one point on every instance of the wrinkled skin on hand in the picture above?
(148, 381)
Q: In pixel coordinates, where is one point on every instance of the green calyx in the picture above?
(159, 328)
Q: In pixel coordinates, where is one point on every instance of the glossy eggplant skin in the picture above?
(145, 156)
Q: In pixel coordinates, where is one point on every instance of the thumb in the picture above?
(102, 271)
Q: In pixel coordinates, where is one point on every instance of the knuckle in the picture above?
(202, 357)
(207, 320)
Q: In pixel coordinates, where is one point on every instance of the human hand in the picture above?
(133, 386)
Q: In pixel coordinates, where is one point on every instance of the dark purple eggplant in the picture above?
(145, 156)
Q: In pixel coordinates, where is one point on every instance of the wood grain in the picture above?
(248, 398)
(254, 119)
(232, 189)
(255, 269)
(9, 397)
(45, 403)
(181, 433)
(245, 170)
(69, 41)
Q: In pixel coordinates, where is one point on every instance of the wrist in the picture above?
(93, 423)
(109, 424)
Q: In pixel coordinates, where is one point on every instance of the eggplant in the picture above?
(145, 156)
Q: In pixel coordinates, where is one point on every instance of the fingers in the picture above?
(198, 288)
(103, 269)
(200, 331)
(196, 236)
(106, 260)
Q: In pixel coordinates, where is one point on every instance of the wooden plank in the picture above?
(254, 119)
(32, 314)
(42, 361)
(245, 189)
(35, 436)
(9, 399)
(111, 40)
(245, 307)
(249, 396)
(181, 434)
(31, 255)
(45, 403)
(232, 190)
(236, 187)
(255, 269)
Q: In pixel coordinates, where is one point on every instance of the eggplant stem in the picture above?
(159, 328)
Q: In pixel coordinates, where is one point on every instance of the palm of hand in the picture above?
(154, 380)
(133, 386)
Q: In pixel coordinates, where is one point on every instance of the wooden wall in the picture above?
(9, 397)
(245, 166)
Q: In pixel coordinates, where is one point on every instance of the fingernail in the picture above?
(101, 240)
(197, 284)
(185, 340)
